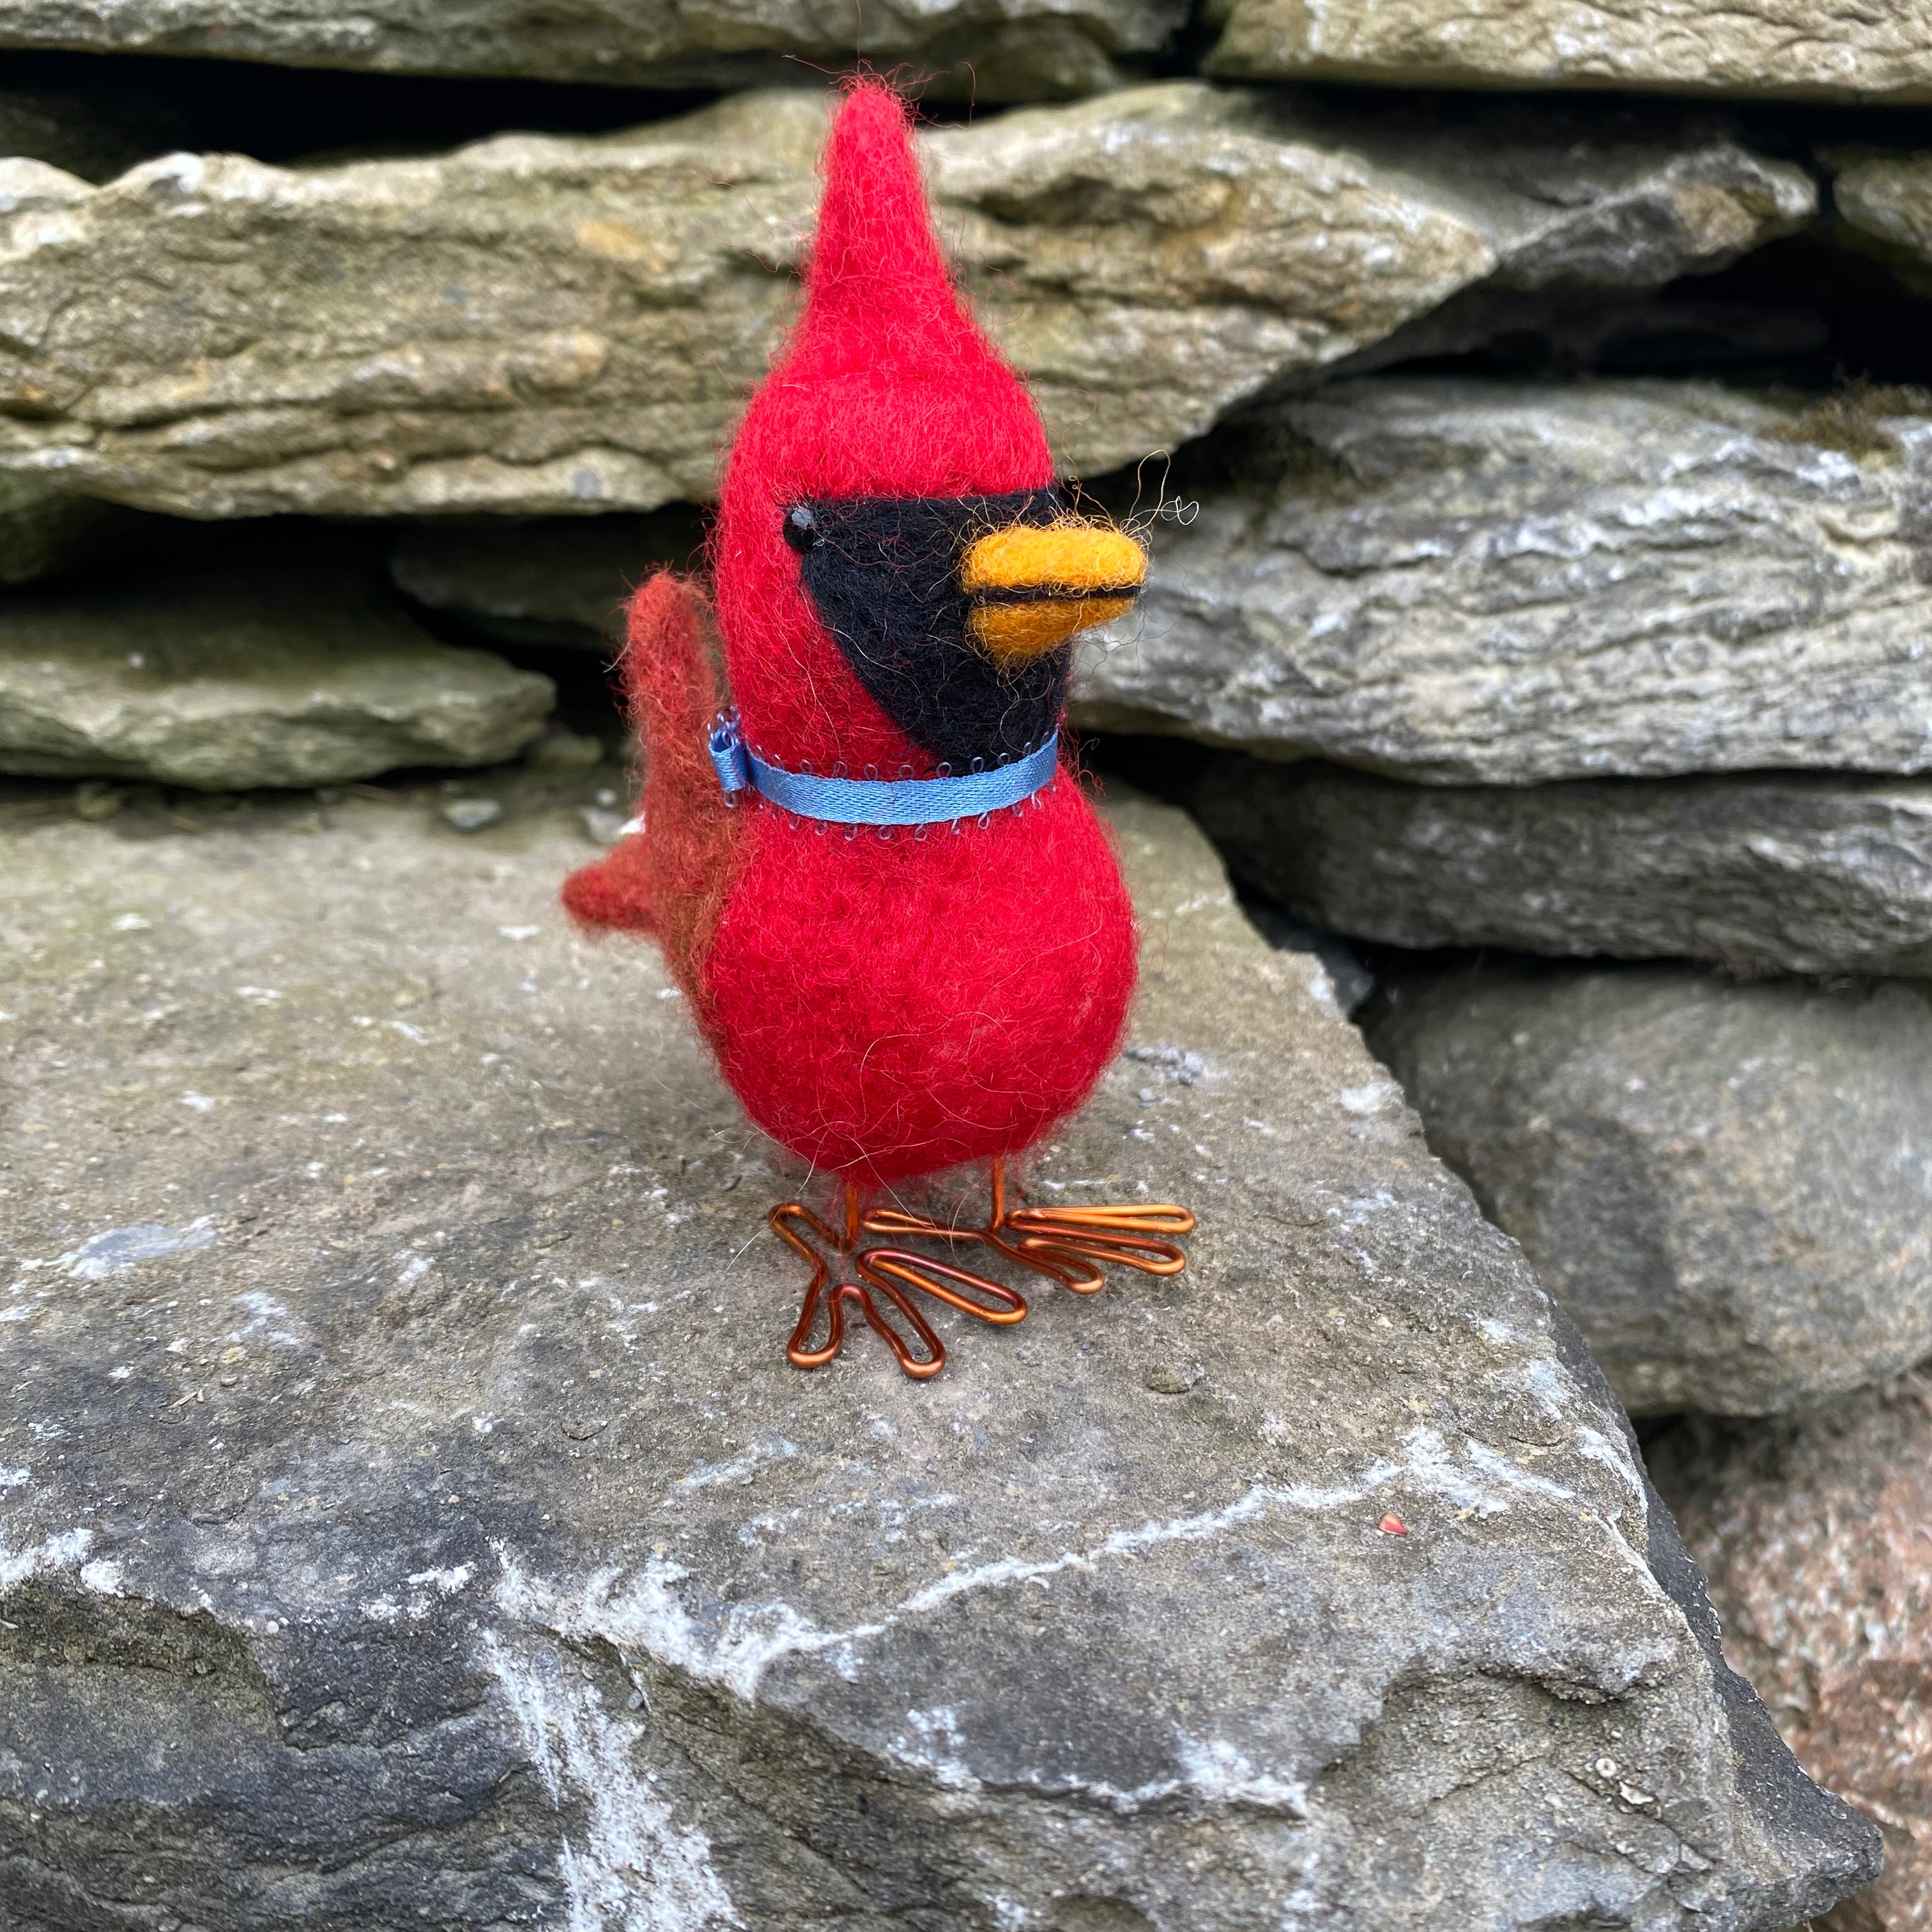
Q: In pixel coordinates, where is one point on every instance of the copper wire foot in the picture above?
(886, 1273)
(1070, 1245)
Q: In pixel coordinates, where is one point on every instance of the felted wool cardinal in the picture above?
(897, 918)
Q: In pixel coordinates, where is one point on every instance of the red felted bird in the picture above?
(897, 918)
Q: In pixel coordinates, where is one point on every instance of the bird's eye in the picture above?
(801, 528)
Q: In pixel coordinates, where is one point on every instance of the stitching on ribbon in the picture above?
(840, 800)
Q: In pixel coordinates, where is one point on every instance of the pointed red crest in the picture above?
(885, 362)
(878, 284)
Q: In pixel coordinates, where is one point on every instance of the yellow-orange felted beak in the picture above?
(1034, 588)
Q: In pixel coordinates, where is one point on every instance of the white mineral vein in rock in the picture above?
(647, 1612)
(114, 1248)
(444, 1582)
(264, 1311)
(636, 1869)
(1222, 1773)
(65, 1551)
(729, 1471)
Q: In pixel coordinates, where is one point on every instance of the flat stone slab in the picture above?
(222, 680)
(1883, 197)
(1012, 49)
(409, 1515)
(1804, 49)
(1727, 1185)
(561, 326)
(1803, 873)
(560, 581)
(1509, 582)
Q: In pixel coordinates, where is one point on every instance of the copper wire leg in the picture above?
(1070, 1245)
(888, 1272)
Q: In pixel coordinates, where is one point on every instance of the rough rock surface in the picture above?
(1883, 199)
(1815, 49)
(1802, 873)
(561, 581)
(94, 131)
(1813, 1535)
(410, 1517)
(43, 530)
(226, 680)
(1502, 583)
(1012, 49)
(553, 325)
(1729, 1187)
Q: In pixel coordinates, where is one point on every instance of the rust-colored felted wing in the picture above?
(671, 879)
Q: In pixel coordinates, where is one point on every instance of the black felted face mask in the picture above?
(883, 573)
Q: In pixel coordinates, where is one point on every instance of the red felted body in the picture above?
(888, 1005)
(887, 1008)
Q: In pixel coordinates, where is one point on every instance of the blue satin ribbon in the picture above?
(880, 801)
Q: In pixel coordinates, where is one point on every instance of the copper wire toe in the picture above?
(1072, 1245)
(882, 1275)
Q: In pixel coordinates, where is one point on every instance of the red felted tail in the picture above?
(670, 880)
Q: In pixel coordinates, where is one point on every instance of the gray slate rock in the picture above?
(1728, 1187)
(233, 679)
(1503, 583)
(1882, 200)
(554, 326)
(44, 531)
(1803, 49)
(1008, 48)
(472, 814)
(438, 1535)
(1803, 874)
(560, 581)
